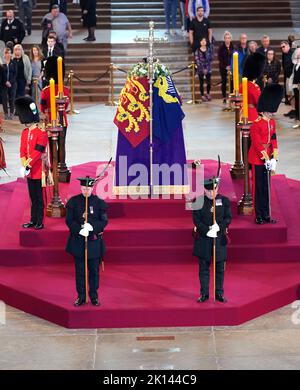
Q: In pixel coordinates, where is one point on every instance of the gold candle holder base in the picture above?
(56, 209)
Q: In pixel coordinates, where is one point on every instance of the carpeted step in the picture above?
(16, 255)
(155, 231)
(250, 253)
(288, 208)
(149, 295)
(11, 219)
(294, 186)
(6, 191)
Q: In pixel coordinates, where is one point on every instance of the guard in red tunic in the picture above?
(2, 155)
(263, 153)
(32, 147)
(253, 69)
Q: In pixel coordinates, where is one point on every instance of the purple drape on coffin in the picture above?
(170, 152)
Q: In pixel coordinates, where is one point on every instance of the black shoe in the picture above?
(291, 112)
(203, 298)
(259, 221)
(29, 32)
(221, 298)
(28, 225)
(90, 39)
(85, 39)
(269, 220)
(95, 302)
(39, 226)
(224, 101)
(79, 301)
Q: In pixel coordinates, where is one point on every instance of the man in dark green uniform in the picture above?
(93, 230)
(206, 232)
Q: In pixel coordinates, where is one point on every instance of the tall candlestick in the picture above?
(245, 97)
(60, 76)
(52, 100)
(235, 72)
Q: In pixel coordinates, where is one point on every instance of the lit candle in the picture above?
(235, 72)
(52, 100)
(245, 97)
(60, 75)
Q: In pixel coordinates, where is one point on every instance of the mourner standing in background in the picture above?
(272, 68)
(225, 52)
(203, 59)
(296, 80)
(8, 84)
(24, 8)
(12, 30)
(287, 66)
(200, 28)
(89, 18)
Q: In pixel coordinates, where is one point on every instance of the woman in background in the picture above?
(203, 59)
(8, 84)
(24, 70)
(272, 68)
(37, 65)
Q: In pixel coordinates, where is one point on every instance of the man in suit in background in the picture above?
(52, 48)
(12, 29)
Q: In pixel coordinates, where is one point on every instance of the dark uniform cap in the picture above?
(253, 66)
(213, 182)
(51, 69)
(270, 98)
(210, 183)
(86, 181)
(27, 110)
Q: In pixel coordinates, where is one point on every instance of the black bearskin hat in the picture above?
(27, 110)
(253, 66)
(51, 69)
(270, 98)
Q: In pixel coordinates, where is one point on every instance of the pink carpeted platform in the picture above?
(151, 277)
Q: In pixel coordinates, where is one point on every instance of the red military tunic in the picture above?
(263, 141)
(2, 155)
(45, 102)
(33, 143)
(253, 96)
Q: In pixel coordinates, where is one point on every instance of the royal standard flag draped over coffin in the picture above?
(133, 147)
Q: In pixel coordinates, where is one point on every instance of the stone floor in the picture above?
(271, 341)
